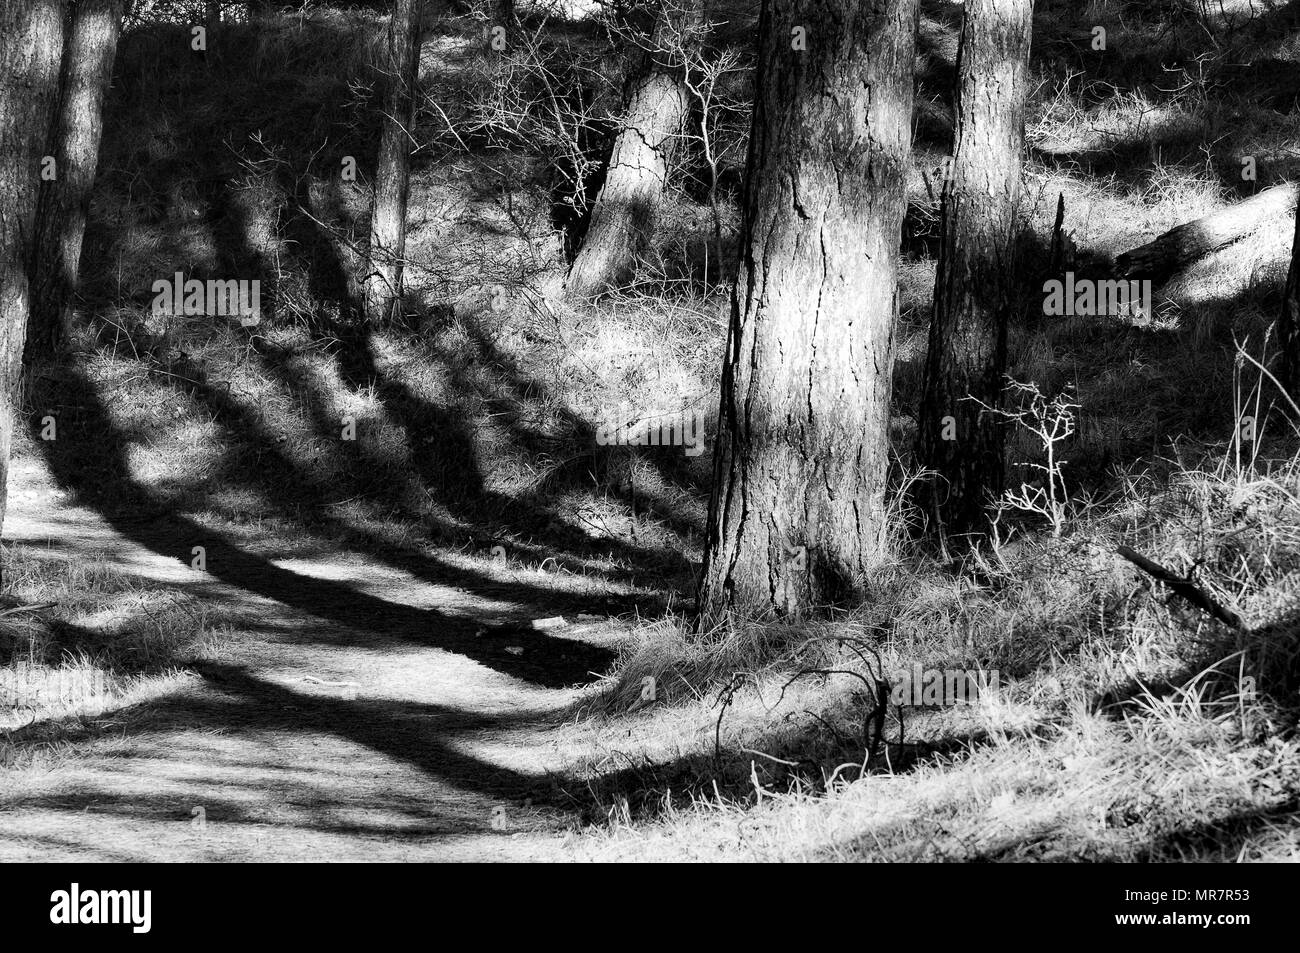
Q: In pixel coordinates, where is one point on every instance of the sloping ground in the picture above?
(475, 428)
(353, 712)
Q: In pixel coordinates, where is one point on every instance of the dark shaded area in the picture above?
(1221, 838)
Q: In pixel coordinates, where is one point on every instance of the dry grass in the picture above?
(97, 641)
(1124, 726)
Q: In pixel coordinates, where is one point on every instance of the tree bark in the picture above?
(797, 516)
(1288, 333)
(382, 288)
(31, 47)
(65, 200)
(623, 216)
(1179, 247)
(976, 273)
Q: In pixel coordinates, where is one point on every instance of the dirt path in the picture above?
(440, 745)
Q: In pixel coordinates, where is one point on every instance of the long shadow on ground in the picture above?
(551, 662)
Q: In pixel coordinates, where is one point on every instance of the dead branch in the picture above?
(1181, 586)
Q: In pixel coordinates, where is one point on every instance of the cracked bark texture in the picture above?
(65, 200)
(797, 517)
(623, 215)
(975, 276)
(31, 48)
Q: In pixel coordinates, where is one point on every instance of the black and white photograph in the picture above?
(649, 432)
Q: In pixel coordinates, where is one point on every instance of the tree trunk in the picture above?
(31, 47)
(623, 216)
(797, 516)
(65, 200)
(1288, 333)
(975, 277)
(1179, 247)
(382, 288)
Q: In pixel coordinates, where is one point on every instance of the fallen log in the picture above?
(1179, 247)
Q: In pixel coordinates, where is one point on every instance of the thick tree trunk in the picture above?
(1288, 332)
(382, 288)
(975, 277)
(797, 516)
(623, 216)
(1179, 247)
(31, 47)
(65, 200)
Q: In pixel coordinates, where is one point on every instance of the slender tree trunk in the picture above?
(975, 278)
(31, 47)
(382, 288)
(623, 216)
(1288, 332)
(65, 200)
(797, 516)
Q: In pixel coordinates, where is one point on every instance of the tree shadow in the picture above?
(429, 738)
(95, 448)
(670, 462)
(1220, 839)
(446, 469)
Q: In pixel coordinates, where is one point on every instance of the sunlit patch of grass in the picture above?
(1124, 727)
(94, 638)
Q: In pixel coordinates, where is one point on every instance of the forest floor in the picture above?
(347, 711)
(368, 665)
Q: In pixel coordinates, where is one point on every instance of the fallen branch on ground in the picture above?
(320, 681)
(31, 608)
(1182, 586)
